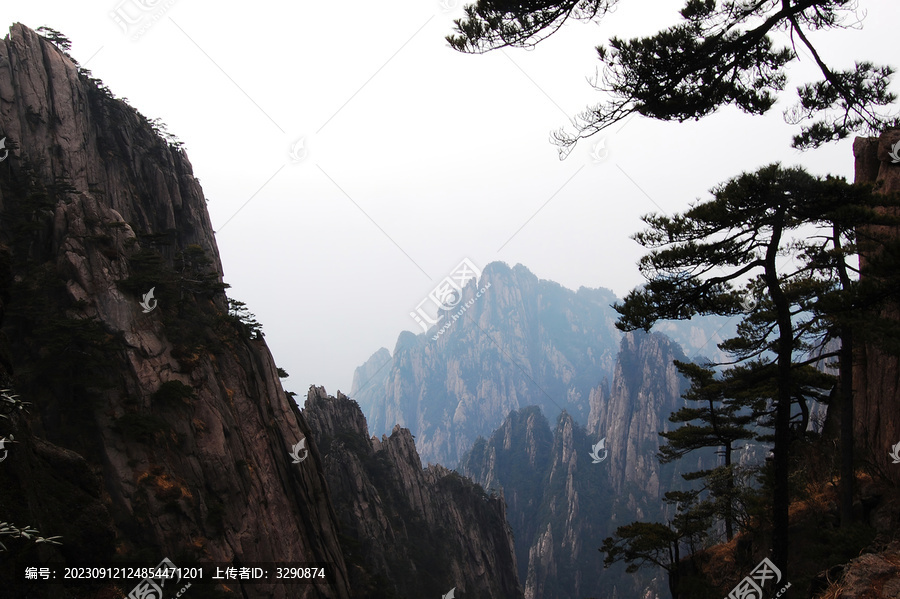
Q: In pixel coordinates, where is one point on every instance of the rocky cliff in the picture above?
(876, 373)
(409, 532)
(646, 388)
(562, 503)
(168, 427)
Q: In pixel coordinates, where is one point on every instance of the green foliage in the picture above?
(719, 54)
(723, 418)
(148, 269)
(282, 373)
(741, 236)
(244, 320)
(56, 38)
(642, 543)
(12, 531)
(197, 274)
(160, 128)
(461, 487)
(186, 290)
(493, 24)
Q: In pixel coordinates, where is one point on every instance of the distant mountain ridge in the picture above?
(525, 341)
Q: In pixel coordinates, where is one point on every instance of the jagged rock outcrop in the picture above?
(646, 388)
(169, 425)
(876, 373)
(408, 532)
(561, 503)
(514, 460)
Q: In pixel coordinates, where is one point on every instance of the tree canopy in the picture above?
(719, 54)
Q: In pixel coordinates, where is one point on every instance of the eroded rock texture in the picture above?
(876, 373)
(561, 502)
(411, 531)
(151, 434)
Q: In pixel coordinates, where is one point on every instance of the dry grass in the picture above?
(834, 591)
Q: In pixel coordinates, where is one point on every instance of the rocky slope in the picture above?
(561, 503)
(409, 532)
(646, 388)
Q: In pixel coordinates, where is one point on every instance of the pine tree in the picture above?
(719, 54)
(722, 421)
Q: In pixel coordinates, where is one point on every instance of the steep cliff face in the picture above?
(373, 373)
(408, 532)
(169, 426)
(558, 500)
(876, 373)
(562, 503)
(645, 390)
(514, 461)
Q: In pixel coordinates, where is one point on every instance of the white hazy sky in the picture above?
(416, 156)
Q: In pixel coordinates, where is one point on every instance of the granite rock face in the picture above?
(169, 428)
(411, 531)
(524, 342)
(876, 373)
(562, 502)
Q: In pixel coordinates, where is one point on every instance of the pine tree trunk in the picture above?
(848, 475)
(847, 472)
(729, 516)
(781, 494)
